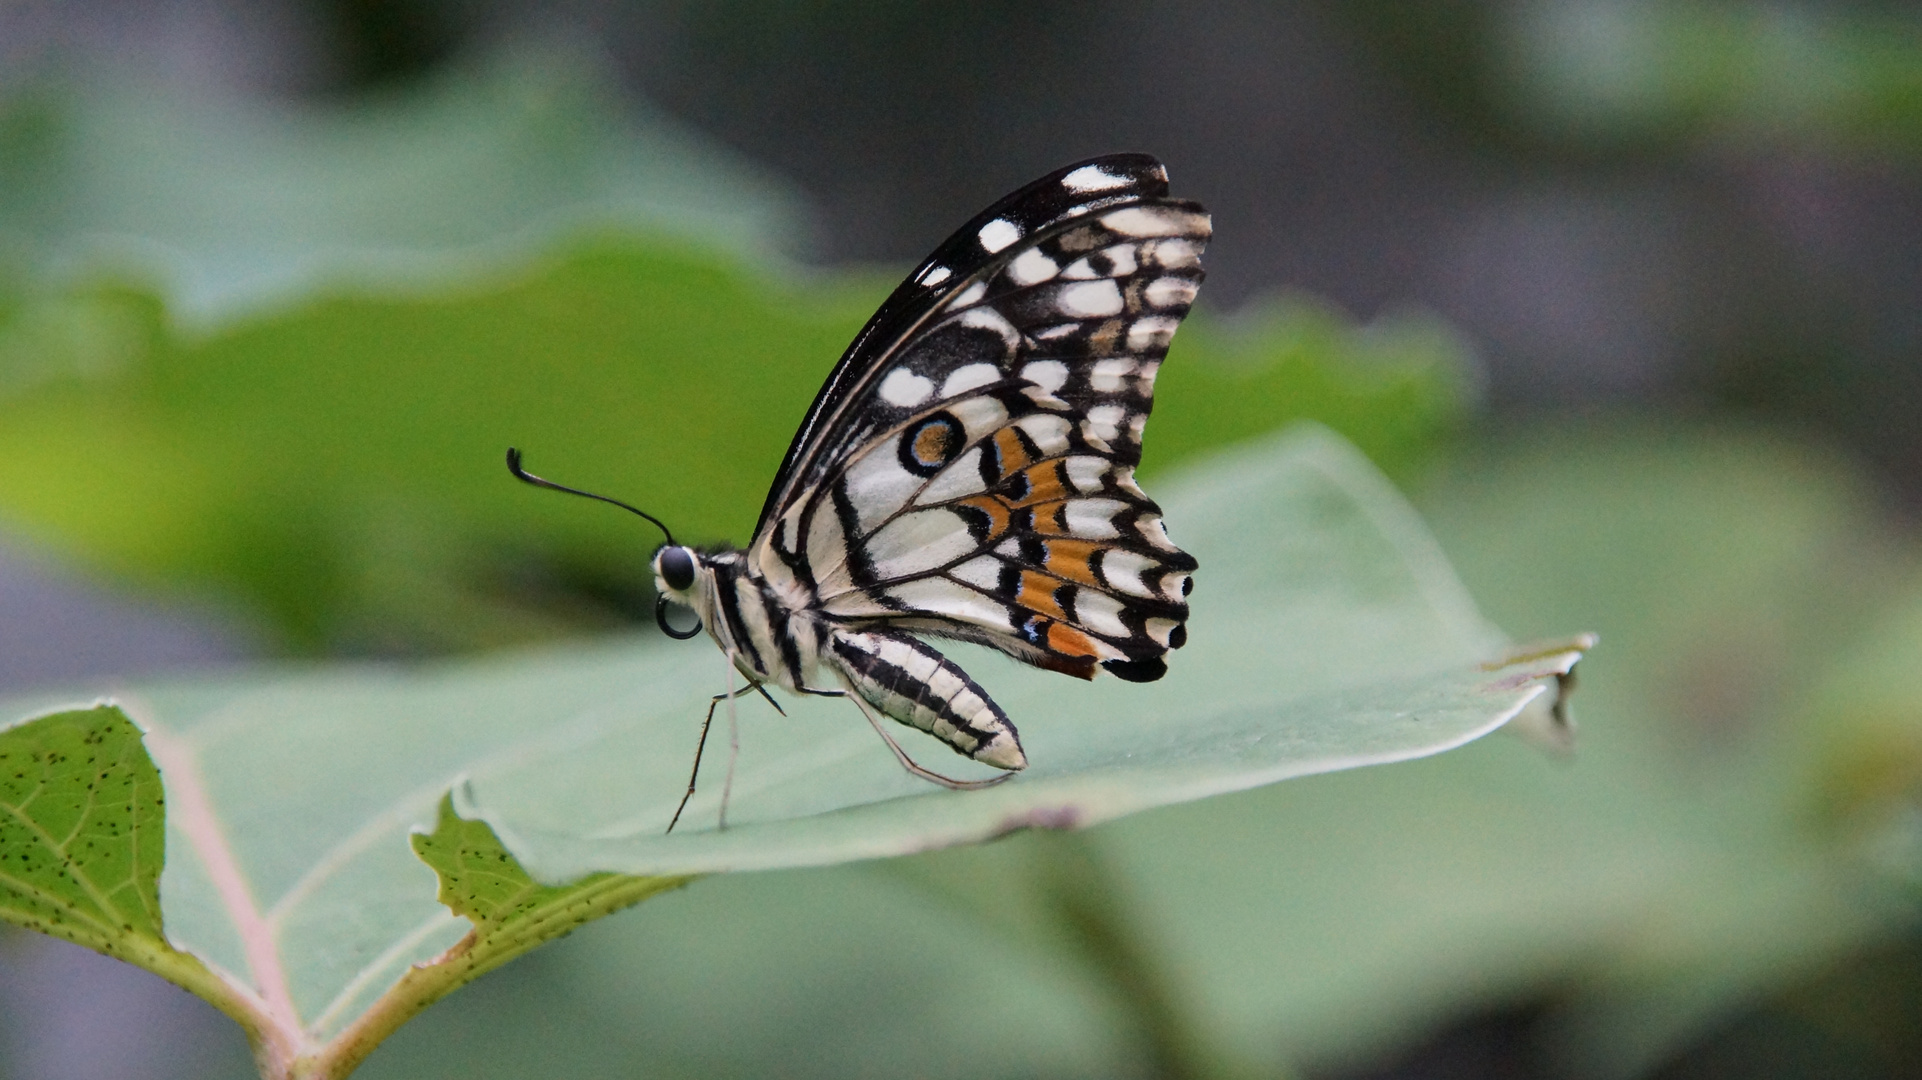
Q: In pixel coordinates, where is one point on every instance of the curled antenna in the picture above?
(514, 466)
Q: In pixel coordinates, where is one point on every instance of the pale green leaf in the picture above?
(233, 202)
(1327, 633)
(1744, 780)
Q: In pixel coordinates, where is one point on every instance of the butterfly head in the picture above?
(675, 570)
(681, 577)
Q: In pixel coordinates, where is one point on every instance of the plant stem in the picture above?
(1087, 899)
(487, 947)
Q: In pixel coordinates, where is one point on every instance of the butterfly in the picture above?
(967, 472)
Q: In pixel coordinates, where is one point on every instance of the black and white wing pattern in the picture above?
(968, 469)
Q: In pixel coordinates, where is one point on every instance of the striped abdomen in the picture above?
(910, 682)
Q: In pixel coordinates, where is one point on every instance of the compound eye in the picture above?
(677, 568)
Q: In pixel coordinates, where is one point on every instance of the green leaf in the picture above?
(80, 822)
(1328, 633)
(1743, 783)
(1742, 791)
(511, 913)
(481, 881)
(1676, 867)
(81, 842)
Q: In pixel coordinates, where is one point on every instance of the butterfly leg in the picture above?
(769, 698)
(701, 746)
(733, 740)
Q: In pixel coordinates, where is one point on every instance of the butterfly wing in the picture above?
(968, 470)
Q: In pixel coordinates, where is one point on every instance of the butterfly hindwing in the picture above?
(974, 477)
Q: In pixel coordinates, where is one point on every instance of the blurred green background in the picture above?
(1623, 293)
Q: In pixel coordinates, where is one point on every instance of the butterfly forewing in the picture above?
(960, 260)
(968, 471)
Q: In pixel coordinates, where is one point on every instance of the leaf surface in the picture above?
(1328, 633)
(82, 839)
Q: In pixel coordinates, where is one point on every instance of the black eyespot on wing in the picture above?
(929, 445)
(677, 568)
(1137, 670)
(1177, 637)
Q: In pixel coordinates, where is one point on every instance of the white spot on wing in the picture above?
(1049, 375)
(1049, 432)
(1032, 267)
(979, 416)
(1123, 569)
(904, 389)
(1169, 291)
(969, 295)
(1155, 221)
(1107, 376)
(1103, 423)
(1092, 178)
(935, 275)
(1093, 519)
(1153, 332)
(1087, 473)
(1099, 612)
(1154, 532)
(998, 234)
(967, 377)
(1090, 299)
(1173, 253)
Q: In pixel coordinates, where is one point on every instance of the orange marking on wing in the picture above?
(1045, 484)
(996, 510)
(1049, 519)
(1069, 559)
(1071, 642)
(931, 444)
(1009, 454)
(1037, 594)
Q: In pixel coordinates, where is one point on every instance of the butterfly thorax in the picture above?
(769, 639)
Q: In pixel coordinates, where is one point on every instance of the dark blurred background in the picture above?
(1697, 215)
